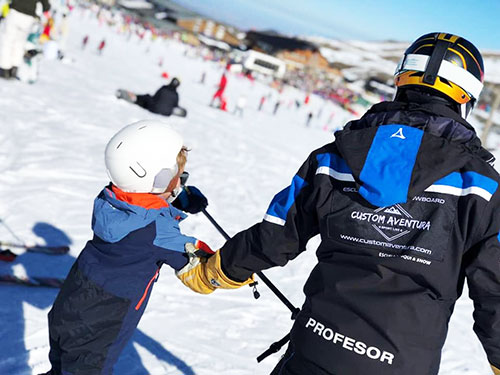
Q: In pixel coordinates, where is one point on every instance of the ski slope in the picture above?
(51, 160)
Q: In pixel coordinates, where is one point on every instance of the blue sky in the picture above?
(477, 21)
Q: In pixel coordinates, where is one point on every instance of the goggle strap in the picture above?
(451, 72)
(434, 63)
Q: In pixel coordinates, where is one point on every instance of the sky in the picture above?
(362, 19)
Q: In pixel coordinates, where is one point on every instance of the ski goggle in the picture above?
(163, 178)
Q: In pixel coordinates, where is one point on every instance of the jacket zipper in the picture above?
(154, 278)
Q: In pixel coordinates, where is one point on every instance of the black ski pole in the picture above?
(265, 280)
(33, 248)
(276, 346)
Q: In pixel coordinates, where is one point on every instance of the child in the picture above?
(136, 230)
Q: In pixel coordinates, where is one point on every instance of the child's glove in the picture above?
(203, 273)
(495, 370)
(190, 200)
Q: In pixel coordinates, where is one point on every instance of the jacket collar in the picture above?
(145, 200)
(398, 149)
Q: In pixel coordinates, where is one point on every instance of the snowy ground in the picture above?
(51, 159)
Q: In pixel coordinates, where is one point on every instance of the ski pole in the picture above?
(265, 280)
(32, 248)
(51, 250)
(276, 346)
(10, 230)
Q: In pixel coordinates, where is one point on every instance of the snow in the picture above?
(51, 159)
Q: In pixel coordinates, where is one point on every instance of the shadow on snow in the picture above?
(14, 356)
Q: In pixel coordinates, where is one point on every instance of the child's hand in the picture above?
(201, 249)
(204, 274)
(193, 274)
(190, 200)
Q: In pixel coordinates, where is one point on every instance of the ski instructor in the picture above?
(407, 204)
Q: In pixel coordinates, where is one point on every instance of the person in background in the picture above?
(4, 9)
(407, 203)
(164, 102)
(276, 106)
(240, 105)
(48, 27)
(101, 46)
(62, 34)
(309, 118)
(85, 41)
(261, 102)
(220, 89)
(15, 30)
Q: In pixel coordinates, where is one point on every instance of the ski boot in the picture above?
(125, 95)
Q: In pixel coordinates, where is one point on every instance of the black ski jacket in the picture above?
(29, 6)
(408, 207)
(162, 102)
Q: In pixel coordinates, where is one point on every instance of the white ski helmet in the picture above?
(142, 157)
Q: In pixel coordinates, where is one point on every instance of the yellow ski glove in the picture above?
(495, 370)
(204, 274)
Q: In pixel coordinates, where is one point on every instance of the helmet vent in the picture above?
(142, 127)
(139, 174)
(445, 81)
(117, 147)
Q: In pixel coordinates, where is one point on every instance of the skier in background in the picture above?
(309, 118)
(62, 34)
(101, 46)
(47, 29)
(136, 230)
(407, 203)
(164, 102)
(15, 30)
(4, 9)
(276, 106)
(220, 90)
(85, 41)
(261, 102)
(240, 105)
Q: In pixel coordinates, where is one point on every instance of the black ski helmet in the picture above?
(444, 62)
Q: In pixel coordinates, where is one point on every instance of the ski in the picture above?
(51, 250)
(49, 282)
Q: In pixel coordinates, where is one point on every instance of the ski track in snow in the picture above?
(51, 162)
